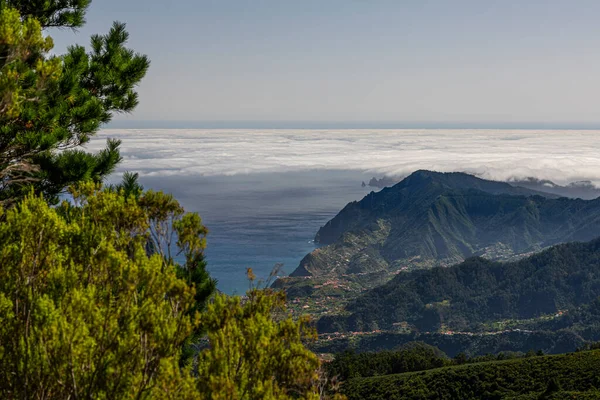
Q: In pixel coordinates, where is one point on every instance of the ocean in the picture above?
(259, 220)
(263, 194)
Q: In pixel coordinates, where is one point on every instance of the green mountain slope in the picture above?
(567, 376)
(469, 296)
(435, 218)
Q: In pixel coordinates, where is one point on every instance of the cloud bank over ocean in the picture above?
(560, 156)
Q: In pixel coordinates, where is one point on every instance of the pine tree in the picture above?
(51, 105)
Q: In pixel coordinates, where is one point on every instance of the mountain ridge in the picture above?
(583, 189)
(432, 218)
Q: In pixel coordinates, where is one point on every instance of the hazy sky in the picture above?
(361, 60)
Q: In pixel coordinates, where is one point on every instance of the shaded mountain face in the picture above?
(564, 278)
(432, 218)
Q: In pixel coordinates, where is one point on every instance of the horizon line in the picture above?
(265, 124)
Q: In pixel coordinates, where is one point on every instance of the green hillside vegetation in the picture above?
(413, 356)
(573, 375)
(410, 357)
(555, 289)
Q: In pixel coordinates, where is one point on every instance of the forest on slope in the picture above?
(562, 282)
(562, 376)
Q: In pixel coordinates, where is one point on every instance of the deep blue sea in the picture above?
(259, 220)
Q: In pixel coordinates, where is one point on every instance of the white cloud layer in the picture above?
(560, 156)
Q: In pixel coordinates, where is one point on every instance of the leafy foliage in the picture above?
(93, 304)
(55, 13)
(86, 311)
(51, 105)
(256, 350)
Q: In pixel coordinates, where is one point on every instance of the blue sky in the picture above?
(476, 62)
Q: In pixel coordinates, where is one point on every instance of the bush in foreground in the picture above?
(92, 304)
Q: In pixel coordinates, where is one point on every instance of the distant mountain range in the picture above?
(432, 219)
(580, 189)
